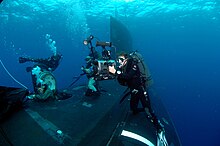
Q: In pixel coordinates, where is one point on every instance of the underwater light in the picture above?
(88, 40)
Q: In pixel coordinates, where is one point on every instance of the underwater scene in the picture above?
(48, 44)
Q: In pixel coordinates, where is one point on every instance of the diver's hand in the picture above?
(85, 70)
(112, 69)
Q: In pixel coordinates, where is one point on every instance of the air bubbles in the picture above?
(47, 36)
(51, 44)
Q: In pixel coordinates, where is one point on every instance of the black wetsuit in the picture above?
(130, 76)
(49, 64)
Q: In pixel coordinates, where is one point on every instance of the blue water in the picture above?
(179, 41)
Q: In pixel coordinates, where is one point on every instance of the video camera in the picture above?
(102, 65)
(103, 70)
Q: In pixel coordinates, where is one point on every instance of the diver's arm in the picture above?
(48, 93)
(86, 70)
(130, 74)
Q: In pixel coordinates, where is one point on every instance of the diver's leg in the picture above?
(145, 101)
(134, 101)
(91, 84)
(92, 90)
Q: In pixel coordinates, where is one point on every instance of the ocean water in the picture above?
(179, 39)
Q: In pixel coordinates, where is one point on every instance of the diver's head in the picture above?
(122, 58)
(88, 59)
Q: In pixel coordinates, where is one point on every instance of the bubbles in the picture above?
(76, 21)
(51, 44)
(37, 71)
(47, 36)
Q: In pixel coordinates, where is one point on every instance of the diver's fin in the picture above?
(62, 95)
(161, 139)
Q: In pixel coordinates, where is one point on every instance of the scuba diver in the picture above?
(132, 72)
(45, 65)
(90, 70)
(43, 80)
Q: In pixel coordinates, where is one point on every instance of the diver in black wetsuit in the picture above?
(129, 74)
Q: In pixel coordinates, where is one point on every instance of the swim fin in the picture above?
(161, 139)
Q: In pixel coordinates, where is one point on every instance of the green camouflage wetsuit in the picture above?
(91, 70)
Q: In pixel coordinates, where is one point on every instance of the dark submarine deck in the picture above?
(84, 121)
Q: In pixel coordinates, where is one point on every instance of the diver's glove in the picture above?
(83, 69)
(86, 70)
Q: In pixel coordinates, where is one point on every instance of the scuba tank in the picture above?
(42, 77)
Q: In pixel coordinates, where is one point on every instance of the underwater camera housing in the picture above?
(103, 69)
(104, 63)
(101, 65)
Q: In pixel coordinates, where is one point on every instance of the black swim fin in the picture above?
(161, 139)
(61, 95)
